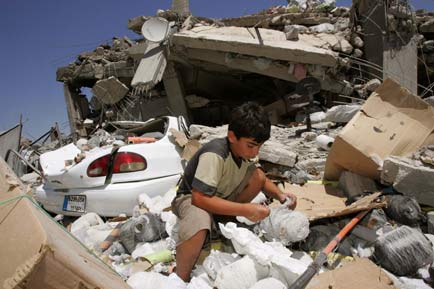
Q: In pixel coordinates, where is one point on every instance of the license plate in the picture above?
(75, 203)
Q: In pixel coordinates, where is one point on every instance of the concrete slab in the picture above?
(110, 90)
(151, 67)
(255, 42)
(409, 178)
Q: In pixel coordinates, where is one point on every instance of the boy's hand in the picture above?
(290, 200)
(256, 212)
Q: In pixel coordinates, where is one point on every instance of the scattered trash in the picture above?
(285, 226)
(405, 210)
(145, 228)
(403, 251)
(324, 142)
(123, 159)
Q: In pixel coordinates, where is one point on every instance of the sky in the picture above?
(40, 36)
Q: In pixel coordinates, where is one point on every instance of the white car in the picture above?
(109, 180)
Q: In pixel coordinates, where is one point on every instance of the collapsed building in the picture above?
(204, 67)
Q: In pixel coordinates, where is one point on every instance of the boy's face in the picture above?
(245, 148)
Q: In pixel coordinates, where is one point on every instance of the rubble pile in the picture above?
(396, 234)
(370, 155)
(257, 57)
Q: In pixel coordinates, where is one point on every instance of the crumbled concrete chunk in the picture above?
(410, 178)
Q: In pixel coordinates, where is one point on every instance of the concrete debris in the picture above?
(322, 28)
(110, 90)
(194, 101)
(372, 84)
(151, 68)
(430, 220)
(342, 113)
(409, 177)
(313, 35)
(291, 32)
(354, 185)
(277, 154)
(320, 236)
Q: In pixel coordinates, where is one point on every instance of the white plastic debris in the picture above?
(323, 28)
(175, 282)
(200, 282)
(217, 260)
(147, 280)
(414, 283)
(317, 117)
(145, 228)
(241, 274)
(82, 144)
(324, 142)
(271, 254)
(285, 225)
(143, 249)
(91, 230)
(158, 203)
(269, 283)
(287, 269)
(246, 242)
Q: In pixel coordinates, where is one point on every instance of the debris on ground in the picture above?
(359, 144)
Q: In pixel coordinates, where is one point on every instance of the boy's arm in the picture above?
(272, 191)
(216, 205)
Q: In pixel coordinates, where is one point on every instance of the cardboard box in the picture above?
(359, 274)
(36, 252)
(391, 122)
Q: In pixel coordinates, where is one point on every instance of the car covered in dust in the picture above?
(108, 180)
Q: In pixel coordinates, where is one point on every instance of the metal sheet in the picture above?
(10, 140)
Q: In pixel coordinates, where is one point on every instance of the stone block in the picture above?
(410, 178)
(355, 185)
(277, 154)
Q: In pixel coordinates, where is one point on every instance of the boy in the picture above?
(220, 179)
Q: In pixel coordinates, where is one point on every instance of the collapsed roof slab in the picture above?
(263, 66)
(255, 42)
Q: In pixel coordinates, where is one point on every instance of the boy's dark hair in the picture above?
(251, 121)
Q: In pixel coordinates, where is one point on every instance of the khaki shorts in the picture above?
(192, 219)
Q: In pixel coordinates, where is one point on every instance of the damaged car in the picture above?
(108, 180)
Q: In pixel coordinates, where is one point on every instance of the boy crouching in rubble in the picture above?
(220, 179)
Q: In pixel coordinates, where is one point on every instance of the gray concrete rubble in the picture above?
(298, 159)
(355, 185)
(150, 69)
(410, 177)
(110, 90)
